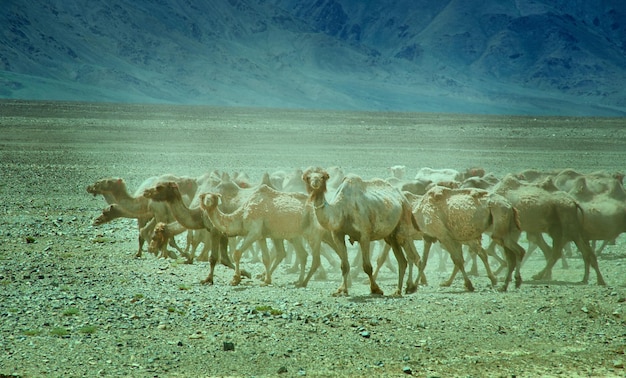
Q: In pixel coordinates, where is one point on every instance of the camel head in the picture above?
(209, 201)
(163, 191)
(159, 238)
(105, 185)
(315, 180)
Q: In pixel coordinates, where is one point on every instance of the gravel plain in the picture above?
(75, 302)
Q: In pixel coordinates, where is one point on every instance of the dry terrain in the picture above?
(75, 302)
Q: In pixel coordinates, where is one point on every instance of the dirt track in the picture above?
(75, 302)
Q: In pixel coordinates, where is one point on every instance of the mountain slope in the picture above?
(539, 57)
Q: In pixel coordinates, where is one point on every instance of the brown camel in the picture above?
(123, 204)
(364, 211)
(461, 216)
(169, 194)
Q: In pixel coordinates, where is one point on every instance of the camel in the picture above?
(553, 212)
(461, 216)
(364, 211)
(188, 218)
(123, 204)
(267, 213)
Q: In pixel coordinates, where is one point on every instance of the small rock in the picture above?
(228, 346)
(407, 370)
(365, 334)
(282, 370)
(618, 364)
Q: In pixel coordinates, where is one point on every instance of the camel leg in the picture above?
(456, 254)
(413, 258)
(141, 223)
(250, 238)
(215, 255)
(382, 258)
(315, 245)
(397, 251)
(358, 260)
(514, 254)
(301, 257)
(267, 259)
(590, 259)
(421, 277)
(342, 252)
(364, 243)
(476, 249)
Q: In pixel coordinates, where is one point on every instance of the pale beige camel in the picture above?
(461, 216)
(364, 211)
(123, 204)
(267, 213)
(555, 213)
(169, 194)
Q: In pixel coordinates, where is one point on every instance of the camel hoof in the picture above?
(397, 294)
(469, 287)
(340, 293)
(245, 274)
(445, 284)
(410, 289)
(235, 281)
(377, 291)
(503, 289)
(207, 281)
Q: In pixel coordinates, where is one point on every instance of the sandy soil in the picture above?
(75, 301)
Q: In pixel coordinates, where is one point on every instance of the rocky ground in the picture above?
(75, 302)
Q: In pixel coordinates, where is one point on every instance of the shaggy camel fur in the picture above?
(553, 212)
(461, 216)
(364, 211)
(123, 204)
(267, 214)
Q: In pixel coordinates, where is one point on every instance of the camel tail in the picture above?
(414, 221)
(582, 212)
(516, 219)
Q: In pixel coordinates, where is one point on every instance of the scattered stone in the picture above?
(366, 334)
(228, 346)
(407, 370)
(282, 370)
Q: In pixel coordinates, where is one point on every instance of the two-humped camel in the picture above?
(189, 218)
(461, 216)
(364, 211)
(268, 213)
(553, 212)
(604, 212)
(124, 205)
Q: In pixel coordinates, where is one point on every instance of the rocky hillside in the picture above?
(538, 57)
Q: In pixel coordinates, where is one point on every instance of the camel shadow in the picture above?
(369, 298)
(553, 282)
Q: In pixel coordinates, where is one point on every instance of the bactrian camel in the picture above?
(123, 204)
(190, 218)
(364, 211)
(267, 213)
(461, 216)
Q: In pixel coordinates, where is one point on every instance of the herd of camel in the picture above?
(319, 208)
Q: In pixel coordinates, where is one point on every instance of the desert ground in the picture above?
(74, 300)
